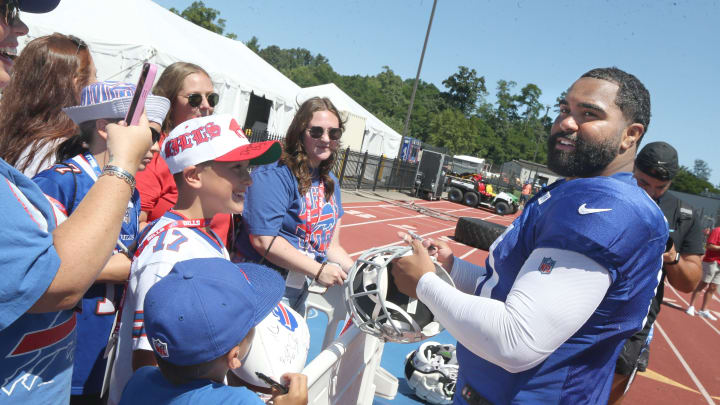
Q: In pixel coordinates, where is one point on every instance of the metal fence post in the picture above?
(362, 170)
(378, 172)
(393, 172)
(344, 164)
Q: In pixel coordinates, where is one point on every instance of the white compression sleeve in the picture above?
(540, 312)
(466, 275)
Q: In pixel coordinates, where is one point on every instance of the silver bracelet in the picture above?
(110, 170)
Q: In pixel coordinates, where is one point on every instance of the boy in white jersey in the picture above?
(209, 158)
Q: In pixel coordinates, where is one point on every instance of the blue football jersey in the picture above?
(613, 222)
(68, 183)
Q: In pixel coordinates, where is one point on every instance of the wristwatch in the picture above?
(676, 261)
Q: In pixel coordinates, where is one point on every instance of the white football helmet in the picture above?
(431, 371)
(379, 308)
(280, 346)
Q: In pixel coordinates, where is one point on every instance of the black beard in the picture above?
(586, 160)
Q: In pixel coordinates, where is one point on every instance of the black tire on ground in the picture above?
(477, 233)
(471, 199)
(455, 195)
(502, 208)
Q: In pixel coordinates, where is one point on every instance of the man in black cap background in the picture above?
(655, 167)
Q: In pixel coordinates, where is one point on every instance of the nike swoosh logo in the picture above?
(583, 210)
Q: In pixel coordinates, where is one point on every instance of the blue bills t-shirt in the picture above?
(148, 386)
(36, 350)
(274, 206)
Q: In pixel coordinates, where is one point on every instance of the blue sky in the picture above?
(671, 45)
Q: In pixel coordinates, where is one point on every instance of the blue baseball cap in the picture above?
(37, 6)
(204, 307)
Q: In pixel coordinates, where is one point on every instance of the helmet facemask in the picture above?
(379, 308)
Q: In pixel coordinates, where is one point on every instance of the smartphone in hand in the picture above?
(144, 85)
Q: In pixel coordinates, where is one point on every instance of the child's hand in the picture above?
(297, 390)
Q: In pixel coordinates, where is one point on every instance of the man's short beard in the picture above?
(586, 160)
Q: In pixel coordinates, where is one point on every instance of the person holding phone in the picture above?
(296, 199)
(191, 94)
(67, 183)
(48, 261)
(58, 66)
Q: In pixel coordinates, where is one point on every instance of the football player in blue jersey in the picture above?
(572, 277)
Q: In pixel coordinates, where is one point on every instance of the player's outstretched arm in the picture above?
(86, 239)
(540, 313)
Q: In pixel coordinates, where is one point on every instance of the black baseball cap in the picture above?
(37, 6)
(659, 160)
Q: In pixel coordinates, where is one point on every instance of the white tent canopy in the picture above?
(122, 34)
(380, 139)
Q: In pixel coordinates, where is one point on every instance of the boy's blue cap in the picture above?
(37, 6)
(204, 307)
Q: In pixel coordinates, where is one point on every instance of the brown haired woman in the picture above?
(191, 95)
(49, 74)
(297, 200)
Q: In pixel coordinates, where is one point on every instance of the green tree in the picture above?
(702, 170)
(465, 90)
(205, 17)
(688, 182)
(453, 130)
(253, 44)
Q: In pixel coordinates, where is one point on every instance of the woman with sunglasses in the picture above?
(56, 66)
(297, 200)
(191, 95)
(48, 262)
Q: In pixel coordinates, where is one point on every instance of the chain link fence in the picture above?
(361, 170)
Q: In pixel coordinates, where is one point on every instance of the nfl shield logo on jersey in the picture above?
(546, 265)
(160, 348)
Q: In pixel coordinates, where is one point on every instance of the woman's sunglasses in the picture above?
(195, 99)
(333, 133)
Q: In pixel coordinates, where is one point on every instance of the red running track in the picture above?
(685, 351)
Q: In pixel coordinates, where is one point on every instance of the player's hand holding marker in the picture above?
(408, 270)
(438, 249)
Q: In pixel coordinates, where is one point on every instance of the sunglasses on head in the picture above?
(78, 42)
(333, 133)
(195, 99)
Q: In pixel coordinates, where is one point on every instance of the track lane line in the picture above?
(471, 251)
(685, 365)
(687, 304)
